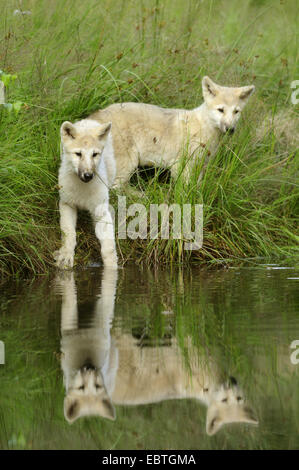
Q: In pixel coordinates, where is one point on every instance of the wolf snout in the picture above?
(86, 176)
(232, 381)
(88, 366)
(229, 130)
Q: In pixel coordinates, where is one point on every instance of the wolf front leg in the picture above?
(104, 229)
(182, 170)
(65, 285)
(68, 218)
(192, 164)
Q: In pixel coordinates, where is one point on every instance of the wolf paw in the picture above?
(110, 260)
(110, 264)
(64, 258)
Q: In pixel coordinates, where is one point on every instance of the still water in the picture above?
(151, 359)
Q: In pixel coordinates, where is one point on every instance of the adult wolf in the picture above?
(147, 135)
(87, 171)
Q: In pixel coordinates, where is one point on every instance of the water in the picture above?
(149, 359)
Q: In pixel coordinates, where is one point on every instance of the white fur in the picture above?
(86, 137)
(147, 135)
(125, 373)
(92, 344)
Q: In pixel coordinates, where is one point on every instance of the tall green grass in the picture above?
(74, 57)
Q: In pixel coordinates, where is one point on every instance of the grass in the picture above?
(73, 57)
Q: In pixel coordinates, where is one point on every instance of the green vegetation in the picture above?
(7, 79)
(73, 57)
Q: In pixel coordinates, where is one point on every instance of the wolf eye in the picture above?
(236, 111)
(79, 154)
(224, 400)
(95, 154)
(98, 387)
(81, 388)
(221, 110)
(239, 398)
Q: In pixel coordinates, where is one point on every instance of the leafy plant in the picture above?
(8, 79)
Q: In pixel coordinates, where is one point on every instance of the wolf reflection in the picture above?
(103, 367)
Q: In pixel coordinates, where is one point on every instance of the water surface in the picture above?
(151, 359)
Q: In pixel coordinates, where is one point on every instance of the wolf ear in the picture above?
(213, 423)
(216, 419)
(246, 91)
(71, 409)
(249, 416)
(74, 409)
(107, 410)
(68, 130)
(104, 131)
(209, 88)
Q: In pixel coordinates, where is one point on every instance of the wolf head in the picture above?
(228, 405)
(83, 144)
(225, 104)
(88, 396)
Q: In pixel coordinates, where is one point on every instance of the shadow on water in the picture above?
(145, 359)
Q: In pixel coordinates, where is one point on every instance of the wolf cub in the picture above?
(86, 173)
(148, 135)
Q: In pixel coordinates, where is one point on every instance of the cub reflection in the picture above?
(89, 357)
(147, 375)
(103, 368)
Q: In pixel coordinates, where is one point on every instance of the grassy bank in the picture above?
(74, 57)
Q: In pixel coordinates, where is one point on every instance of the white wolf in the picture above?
(102, 369)
(87, 171)
(88, 354)
(147, 135)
